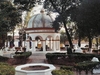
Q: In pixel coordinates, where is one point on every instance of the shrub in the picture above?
(86, 65)
(6, 69)
(21, 58)
(55, 55)
(80, 57)
(62, 72)
(22, 55)
(69, 50)
(3, 59)
(67, 59)
(67, 68)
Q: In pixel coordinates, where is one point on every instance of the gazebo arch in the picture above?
(49, 43)
(39, 43)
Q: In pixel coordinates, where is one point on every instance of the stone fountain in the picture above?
(22, 69)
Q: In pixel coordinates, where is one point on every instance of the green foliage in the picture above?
(64, 58)
(62, 72)
(9, 17)
(55, 55)
(64, 8)
(3, 59)
(22, 55)
(88, 18)
(67, 68)
(80, 57)
(25, 5)
(27, 17)
(6, 69)
(86, 65)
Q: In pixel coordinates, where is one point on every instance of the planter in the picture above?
(47, 71)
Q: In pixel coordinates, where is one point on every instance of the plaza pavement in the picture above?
(40, 58)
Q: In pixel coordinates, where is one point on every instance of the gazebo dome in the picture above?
(41, 20)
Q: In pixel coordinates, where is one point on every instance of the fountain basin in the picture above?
(47, 71)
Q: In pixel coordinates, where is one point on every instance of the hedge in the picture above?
(22, 55)
(62, 72)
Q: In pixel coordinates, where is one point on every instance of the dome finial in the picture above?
(42, 10)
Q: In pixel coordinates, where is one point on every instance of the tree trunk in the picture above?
(3, 40)
(79, 41)
(90, 43)
(13, 35)
(97, 42)
(68, 35)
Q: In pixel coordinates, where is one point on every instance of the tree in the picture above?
(9, 18)
(88, 19)
(25, 5)
(64, 8)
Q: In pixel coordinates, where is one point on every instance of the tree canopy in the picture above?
(87, 17)
(25, 5)
(64, 8)
(9, 17)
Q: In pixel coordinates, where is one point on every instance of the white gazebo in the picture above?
(41, 36)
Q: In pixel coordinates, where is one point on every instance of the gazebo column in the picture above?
(27, 45)
(50, 43)
(44, 46)
(54, 49)
(23, 44)
(58, 45)
(33, 46)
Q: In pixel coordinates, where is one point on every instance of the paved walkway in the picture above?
(38, 58)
